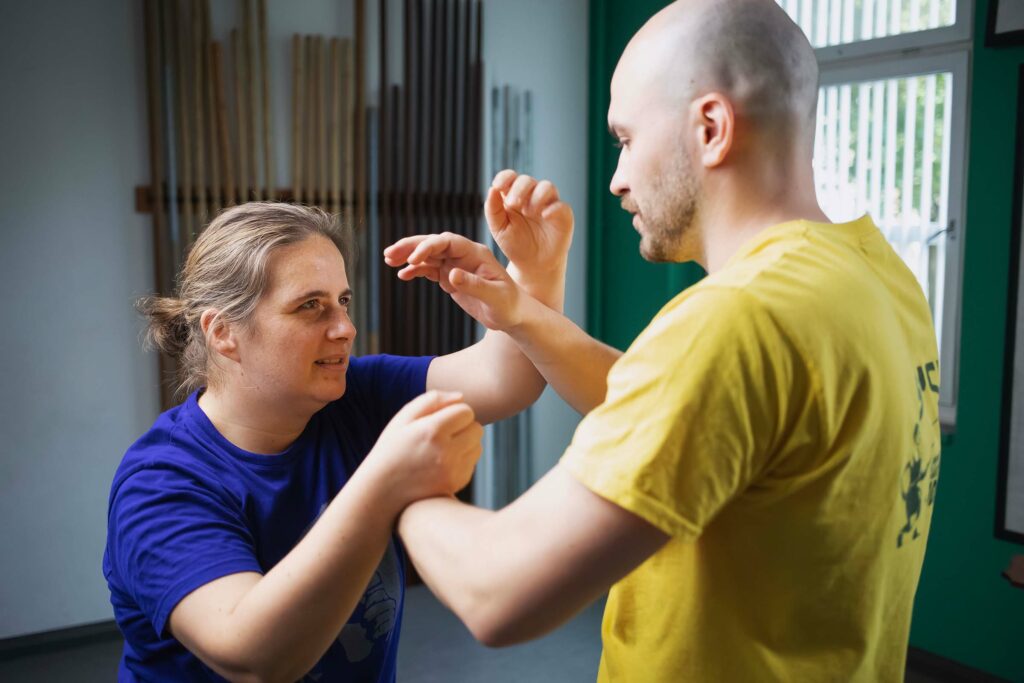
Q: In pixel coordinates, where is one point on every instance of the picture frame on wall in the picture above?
(1005, 23)
(1010, 491)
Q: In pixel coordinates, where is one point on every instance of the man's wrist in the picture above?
(547, 286)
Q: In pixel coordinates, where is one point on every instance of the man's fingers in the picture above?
(558, 210)
(494, 211)
(519, 196)
(503, 180)
(462, 282)
(544, 194)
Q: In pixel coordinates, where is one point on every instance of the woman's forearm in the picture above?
(285, 621)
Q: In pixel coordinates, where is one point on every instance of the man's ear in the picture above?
(714, 122)
(220, 335)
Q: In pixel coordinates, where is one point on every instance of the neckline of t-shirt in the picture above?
(857, 228)
(201, 421)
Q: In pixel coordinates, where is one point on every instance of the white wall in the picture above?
(74, 255)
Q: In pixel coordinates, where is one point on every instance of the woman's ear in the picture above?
(715, 126)
(220, 335)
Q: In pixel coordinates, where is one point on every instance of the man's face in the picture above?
(654, 176)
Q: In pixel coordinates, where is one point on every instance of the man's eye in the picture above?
(310, 305)
(345, 301)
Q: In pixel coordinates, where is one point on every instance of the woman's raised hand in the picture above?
(430, 447)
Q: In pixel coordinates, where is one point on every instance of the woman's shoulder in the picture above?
(169, 450)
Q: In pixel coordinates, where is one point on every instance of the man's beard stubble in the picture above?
(667, 222)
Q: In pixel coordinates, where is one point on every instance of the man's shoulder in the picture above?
(709, 307)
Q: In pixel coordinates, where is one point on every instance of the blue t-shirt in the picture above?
(188, 507)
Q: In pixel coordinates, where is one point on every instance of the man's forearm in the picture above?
(520, 572)
(489, 574)
(575, 364)
(548, 287)
(512, 382)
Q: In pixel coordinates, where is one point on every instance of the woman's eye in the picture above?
(310, 305)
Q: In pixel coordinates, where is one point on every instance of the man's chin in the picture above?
(653, 253)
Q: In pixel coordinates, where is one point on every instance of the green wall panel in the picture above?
(623, 291)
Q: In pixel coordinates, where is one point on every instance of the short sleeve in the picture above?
(382, 384)
(169, 533)
(691, 414)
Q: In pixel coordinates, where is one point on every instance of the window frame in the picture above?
(941, 50)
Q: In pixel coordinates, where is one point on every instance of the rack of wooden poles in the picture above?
(411, 164)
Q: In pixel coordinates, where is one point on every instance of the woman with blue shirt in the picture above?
(250, 529)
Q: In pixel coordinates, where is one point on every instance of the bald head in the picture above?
(748, 50)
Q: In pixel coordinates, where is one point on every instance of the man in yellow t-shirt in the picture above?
(755, 476)
(779, 421)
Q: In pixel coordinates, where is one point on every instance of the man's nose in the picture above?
(619, 186)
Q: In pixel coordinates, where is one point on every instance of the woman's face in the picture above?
(297, 345)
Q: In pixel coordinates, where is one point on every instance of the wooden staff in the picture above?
(323, 152)
(408, 295)
(240, 118)
(298, 115)
(446, 155)
(463, 186)
(269, 181)
(434, 302)
(198, 108)
(384, 189)
(223, 144)
(216, 189)
(181, 70)
(252, 106)
(398, 334)
(348, 135)
(310, 125)
(371, 272)
(156, 179)
(359, 139)
(156, 145)
(334, 88)
(454, 151)
(475, 135)
(419, 209)
(167, 40)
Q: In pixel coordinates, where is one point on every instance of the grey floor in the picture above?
(435, 647)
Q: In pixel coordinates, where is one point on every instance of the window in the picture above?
(891, 137)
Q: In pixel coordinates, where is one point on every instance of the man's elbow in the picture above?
(495, 625)
(492, 633)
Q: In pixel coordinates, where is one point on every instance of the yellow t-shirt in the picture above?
(779, 420)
